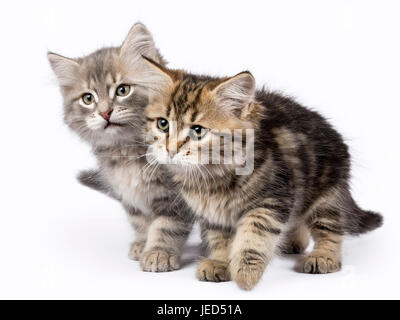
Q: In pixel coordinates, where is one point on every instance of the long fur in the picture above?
(299, 186)
(123, 172)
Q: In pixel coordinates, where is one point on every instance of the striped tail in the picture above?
(362, 221)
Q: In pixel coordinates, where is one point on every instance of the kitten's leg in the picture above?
(257, 236)
(165, 239)
(217, 242)
(326, 255)
(297, 238)
(326, 230)
(140, 223)
(167, 233)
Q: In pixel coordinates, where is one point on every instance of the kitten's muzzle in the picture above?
(106, 114)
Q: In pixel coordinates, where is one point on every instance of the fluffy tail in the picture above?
(362, 221)
(94, 180)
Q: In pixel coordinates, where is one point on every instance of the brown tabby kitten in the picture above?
(299, 185)
(104, 97)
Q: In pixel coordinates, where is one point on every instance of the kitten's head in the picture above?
(191, 117)
(104, 93)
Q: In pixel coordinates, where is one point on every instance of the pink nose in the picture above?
(106, 115)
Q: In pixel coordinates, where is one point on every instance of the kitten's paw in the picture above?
(321, 262)
(159, 260)
(136, 250)
(246, 270)
(213, 270)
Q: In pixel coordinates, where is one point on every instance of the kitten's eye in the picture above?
(163, 124)
(123, 90)
(88, 98)
(197, 132)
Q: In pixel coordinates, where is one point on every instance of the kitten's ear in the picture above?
(155, 76)
(236, 93)
(64, 68)
(139, 42)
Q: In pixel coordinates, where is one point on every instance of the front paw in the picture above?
(213, 270)
(136, 250)
(159, 260)
(321, 262)
(246, 269)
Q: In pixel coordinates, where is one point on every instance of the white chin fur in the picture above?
(161, 155)
(96, 123)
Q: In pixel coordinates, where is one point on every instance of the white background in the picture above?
(61, 240)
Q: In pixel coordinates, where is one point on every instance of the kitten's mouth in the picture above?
(112, 125)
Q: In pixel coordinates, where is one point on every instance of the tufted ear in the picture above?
(65, 69)
(139, 42)
(155, 76)
(236, 93)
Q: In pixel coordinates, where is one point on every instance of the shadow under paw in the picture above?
(159, 260)
(213, 270)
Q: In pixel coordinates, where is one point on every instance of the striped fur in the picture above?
(299, 186)
(143, 188)
(217, 243)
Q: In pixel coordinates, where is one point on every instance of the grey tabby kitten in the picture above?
(104, 97)
(299, 186)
